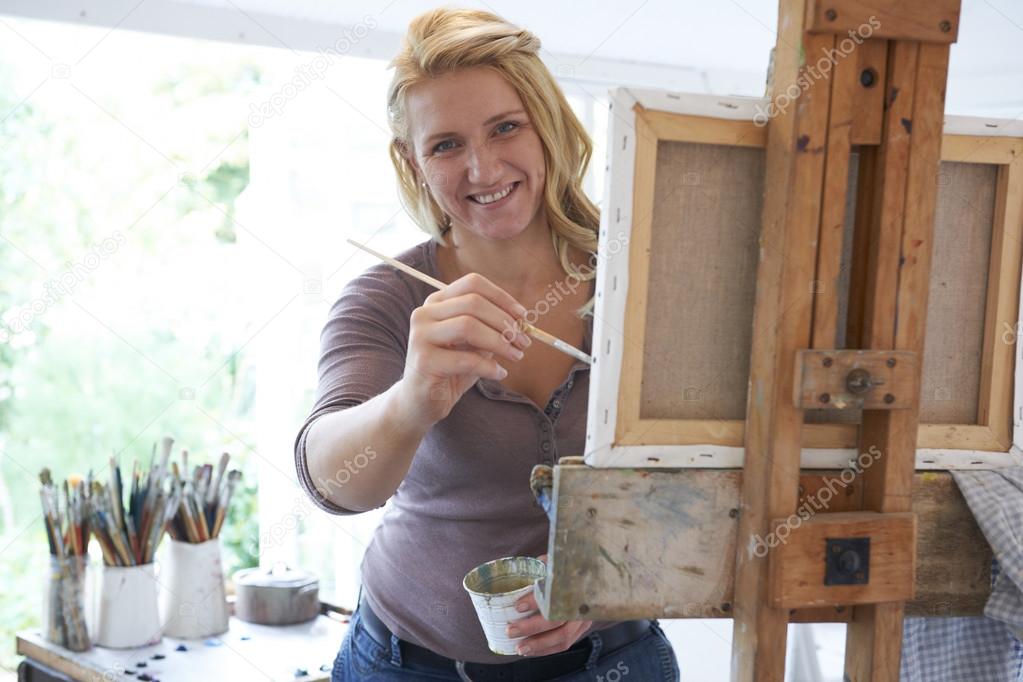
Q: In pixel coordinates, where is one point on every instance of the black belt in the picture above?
(534, 668)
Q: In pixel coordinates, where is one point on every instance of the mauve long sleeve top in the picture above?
(466, 497)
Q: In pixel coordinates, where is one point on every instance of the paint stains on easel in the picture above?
(618, 567)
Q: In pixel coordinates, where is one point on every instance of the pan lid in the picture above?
(278, 575)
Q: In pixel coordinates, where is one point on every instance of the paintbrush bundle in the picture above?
(67, 532)
(67, 526)
(130, 535)
(203, 500)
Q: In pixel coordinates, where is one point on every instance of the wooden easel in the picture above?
(656, 519)
(888, 97)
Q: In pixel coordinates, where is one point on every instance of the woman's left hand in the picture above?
(544, 636)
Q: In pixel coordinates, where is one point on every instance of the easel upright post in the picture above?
(782, 322)
(873, 643)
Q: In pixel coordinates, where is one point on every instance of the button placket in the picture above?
(546, 435)
(558, 399)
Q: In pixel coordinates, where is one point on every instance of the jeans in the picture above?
(648, 659)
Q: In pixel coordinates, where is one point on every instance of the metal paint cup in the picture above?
(494, 588)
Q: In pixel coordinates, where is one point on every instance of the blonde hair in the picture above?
(444, 40)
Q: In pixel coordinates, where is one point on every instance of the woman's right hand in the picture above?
(460, 334)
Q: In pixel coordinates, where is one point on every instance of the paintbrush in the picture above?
(170, 511)
(115, 491)
(117, 539)
(49, 512)
(188, 509)
(536, 333)
(198, 504)
(214, 491)
(47, 521)
(155, 528)
(204, 530)
(184, 511)
(225, 500)
(93, 511)
(202, 484)
(134, 508)
(105, 523)
(86, 492)
(72, 529)
(207, 485)
(153, 507)
(166, 445)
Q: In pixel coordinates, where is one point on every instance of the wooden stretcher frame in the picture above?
(617, 436)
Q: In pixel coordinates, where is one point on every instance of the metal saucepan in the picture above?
(278, 596)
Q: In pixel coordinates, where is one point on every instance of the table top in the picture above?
(245, 652)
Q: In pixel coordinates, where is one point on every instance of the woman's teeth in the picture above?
(491, 198)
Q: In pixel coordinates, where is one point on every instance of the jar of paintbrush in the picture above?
(67, 533)
(193, 603)
(128, 614)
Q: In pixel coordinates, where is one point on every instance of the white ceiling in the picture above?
(705, 34)
(721, 34)
(719, 47)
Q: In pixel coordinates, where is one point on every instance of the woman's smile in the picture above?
(491, 200)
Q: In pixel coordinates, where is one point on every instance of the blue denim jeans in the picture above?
(648, 659)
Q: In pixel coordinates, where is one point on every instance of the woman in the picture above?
(435, 397)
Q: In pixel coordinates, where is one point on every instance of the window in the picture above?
(172, 224)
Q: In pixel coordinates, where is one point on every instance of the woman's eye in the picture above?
(507, 126)
(442, 146)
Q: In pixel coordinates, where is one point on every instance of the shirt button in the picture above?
(557, 404)
(545, 446)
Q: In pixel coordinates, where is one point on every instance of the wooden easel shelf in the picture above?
(632, 543)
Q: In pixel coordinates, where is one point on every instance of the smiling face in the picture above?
(481, 158)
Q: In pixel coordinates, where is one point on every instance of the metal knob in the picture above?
(860, 381)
